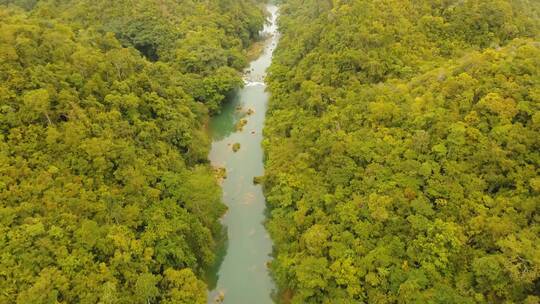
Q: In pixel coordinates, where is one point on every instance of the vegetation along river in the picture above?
(242, 276)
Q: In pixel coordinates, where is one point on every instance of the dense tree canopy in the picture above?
(105, 191)
(205, 41)
(403, 152)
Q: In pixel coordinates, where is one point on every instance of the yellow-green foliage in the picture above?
(105, 191)
(403, 152)
(205, 40)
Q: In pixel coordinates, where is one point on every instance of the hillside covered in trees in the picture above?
(403, 152)
(106, 195)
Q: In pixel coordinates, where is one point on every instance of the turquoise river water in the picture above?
(242, 276)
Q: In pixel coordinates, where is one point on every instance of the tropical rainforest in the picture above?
(402, 149)
(403, 152)
(106, 195)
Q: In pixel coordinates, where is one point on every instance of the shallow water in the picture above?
(242, 277)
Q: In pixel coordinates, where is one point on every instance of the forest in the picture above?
(403, 152)
(106, 194)
(402, 149)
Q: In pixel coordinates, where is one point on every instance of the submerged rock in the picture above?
(240, 125)
(220, 297)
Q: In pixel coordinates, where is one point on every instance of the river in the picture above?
(242, 276)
